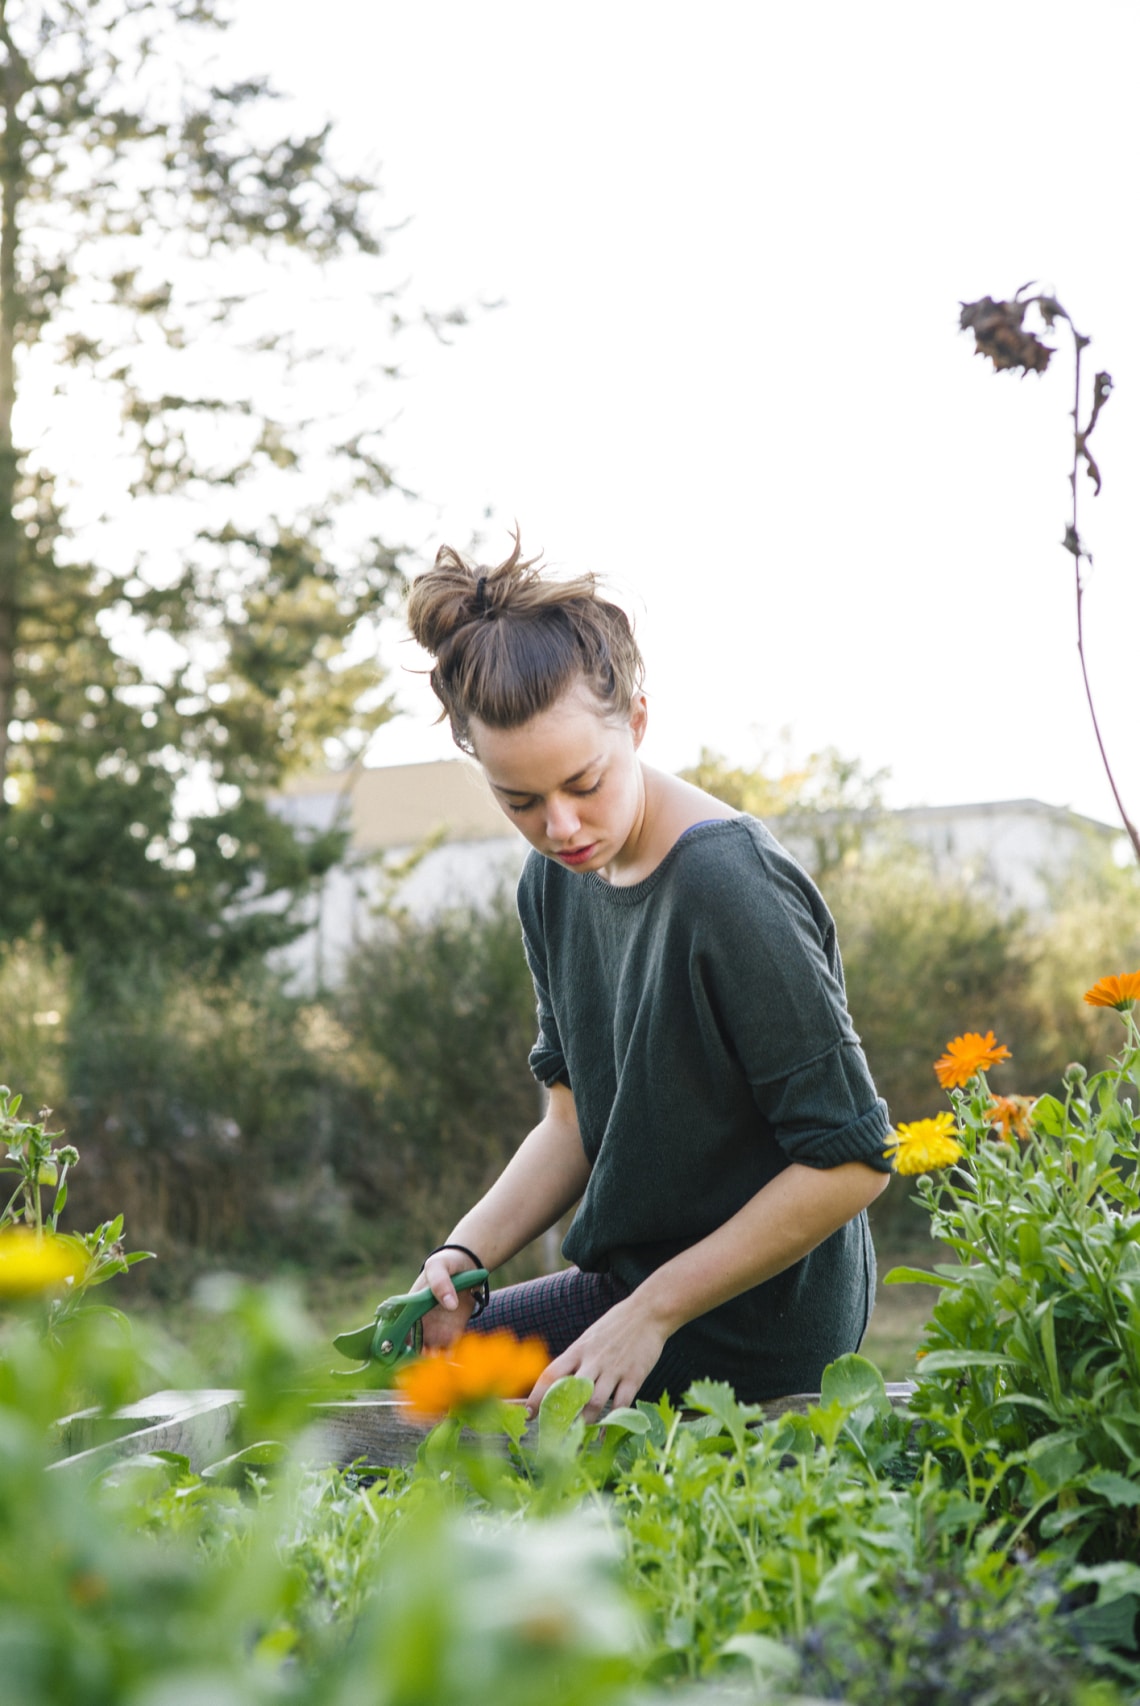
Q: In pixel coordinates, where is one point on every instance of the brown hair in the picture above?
(509, 641)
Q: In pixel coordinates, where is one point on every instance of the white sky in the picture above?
(731, 240)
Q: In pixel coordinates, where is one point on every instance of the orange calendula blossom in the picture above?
(476, 1368)
(1119, 992)
(1009, 1115)
(923, 1146)
(968, 1055)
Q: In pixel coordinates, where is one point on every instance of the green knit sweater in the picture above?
(700, 1019)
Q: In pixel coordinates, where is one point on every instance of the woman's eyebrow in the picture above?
(529, 793)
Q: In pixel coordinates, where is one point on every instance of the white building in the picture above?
(1013, 849)
(440, 821)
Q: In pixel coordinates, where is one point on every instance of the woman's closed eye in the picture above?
(578, 793)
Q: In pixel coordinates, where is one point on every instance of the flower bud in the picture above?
(1075, 1074)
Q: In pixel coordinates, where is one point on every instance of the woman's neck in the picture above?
(668, 807)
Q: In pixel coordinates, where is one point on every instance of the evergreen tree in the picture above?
(152, 218)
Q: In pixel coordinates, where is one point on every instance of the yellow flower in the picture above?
(1119, 992)
(968, 1055)
(477, 1367)
(32, 1263)
(1010, 1115)
(924, 1145)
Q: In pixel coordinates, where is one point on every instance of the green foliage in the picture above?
(1032, 1355)
(151, 699)
(824, 801)
(923, 957)
(29, 1152)
(442, 1019)
(696, 1557)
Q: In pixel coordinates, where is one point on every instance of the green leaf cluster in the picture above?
(188, 595)
(1032, 1354)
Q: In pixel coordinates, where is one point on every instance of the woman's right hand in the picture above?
(443, 1324)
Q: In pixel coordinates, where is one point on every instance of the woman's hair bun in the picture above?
(444, 600)
(510, 640)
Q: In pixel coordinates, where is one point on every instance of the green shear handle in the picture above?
(384, 1342)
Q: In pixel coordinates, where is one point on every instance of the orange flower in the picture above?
(477, 1367)
(1119, 992)
(1010, 1114)
(966, 1056)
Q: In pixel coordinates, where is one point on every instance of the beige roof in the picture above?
(400, 805)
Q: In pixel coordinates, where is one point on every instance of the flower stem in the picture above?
(1073, 544)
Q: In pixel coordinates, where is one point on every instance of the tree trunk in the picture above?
(15, 82)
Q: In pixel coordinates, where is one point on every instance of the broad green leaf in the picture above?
(561, 1407)
(1117, 1489)
(770, 1660)
(1054, 1464)
(231, 1471)
(1049, 1116)
(632, 1421)
(938, 1362)
(913, 1276)
(850, 1381)
(1113, 1580)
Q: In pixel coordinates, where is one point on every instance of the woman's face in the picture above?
(570, 778)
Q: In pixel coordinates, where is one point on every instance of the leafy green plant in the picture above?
(1032, 1354)
(31, 1154)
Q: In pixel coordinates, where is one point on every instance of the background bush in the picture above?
(233, 1121)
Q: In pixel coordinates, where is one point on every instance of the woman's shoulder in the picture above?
(742, 848)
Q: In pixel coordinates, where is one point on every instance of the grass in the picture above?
(900, 1313)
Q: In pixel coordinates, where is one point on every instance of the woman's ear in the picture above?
(638, 718)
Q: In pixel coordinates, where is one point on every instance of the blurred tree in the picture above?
(159, 239)
(441, 1015)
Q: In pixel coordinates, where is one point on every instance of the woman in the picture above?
(709, 1102)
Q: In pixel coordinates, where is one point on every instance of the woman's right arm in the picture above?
(544, 1177)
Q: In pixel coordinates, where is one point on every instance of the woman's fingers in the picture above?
(437, 1273)
(614, 1355)
(442, 1325)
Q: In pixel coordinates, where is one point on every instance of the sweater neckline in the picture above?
(630, 894)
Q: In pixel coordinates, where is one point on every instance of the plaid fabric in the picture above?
(556, 1308)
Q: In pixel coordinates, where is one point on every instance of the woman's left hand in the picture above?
(616, 1354)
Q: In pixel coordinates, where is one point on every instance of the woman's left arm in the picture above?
(793, 1213)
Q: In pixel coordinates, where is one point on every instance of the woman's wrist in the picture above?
(476, 1261)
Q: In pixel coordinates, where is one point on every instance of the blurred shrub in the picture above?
(927, 957)
(232, 1118)
(924, 959)
(204, 1111)
(35, 997)
(441, 1016)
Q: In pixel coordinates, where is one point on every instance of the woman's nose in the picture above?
(561, 820)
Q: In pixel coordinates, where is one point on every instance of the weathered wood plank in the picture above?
(376, 1427)
(198, 1424)
(379, 1428)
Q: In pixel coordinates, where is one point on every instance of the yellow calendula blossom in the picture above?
(33, 1263)
(924, 1145)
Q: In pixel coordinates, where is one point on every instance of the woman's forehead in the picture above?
(556, 749)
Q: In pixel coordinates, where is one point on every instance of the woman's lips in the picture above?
(577, 855)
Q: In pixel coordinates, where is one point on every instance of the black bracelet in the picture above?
(482, 1293)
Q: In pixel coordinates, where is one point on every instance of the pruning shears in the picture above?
(396, 1332)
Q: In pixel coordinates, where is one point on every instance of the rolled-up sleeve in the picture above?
(827, 1112)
